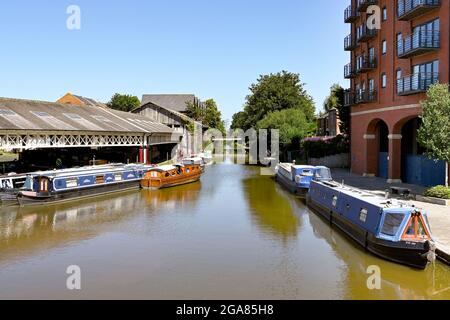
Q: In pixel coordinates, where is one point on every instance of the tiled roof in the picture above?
(175, 102)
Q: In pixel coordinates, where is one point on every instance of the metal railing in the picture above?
(349, 71)
(362, 5)
(366, 63)
(350, 42)
(349, 98)
(416, 83)
(351, 14)
(407, 7)
(418, 42)
(366, 96)
(366, 34)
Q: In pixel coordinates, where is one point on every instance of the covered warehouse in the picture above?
(48, 135)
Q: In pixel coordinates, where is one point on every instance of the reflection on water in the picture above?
(272, 208)
(234, 235)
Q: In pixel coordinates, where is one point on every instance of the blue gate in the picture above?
(383, 165)
(420, 170)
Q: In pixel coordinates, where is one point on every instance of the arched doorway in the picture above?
(416, 167)
(378, 148)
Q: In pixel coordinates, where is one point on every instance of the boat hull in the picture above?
(291, 186)
(156, 184)
(412, 254)
(28, 198)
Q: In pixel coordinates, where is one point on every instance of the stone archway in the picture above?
(377, 148)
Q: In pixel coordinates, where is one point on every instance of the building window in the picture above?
(383, 80)
(384, 46)
(384, 14)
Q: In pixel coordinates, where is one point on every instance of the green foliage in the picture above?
(324, 147)
(434, 133)
(274, 92)
(333, 101)
(292, 124)
(210, 116)
(440, 192)
(124, 102)
(238, 121)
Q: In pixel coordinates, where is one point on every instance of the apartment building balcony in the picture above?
(365, 96)
(350, 71)
(366, 64)
(416, 83)
(349, 98)
(351, 14)
(362, 5)
(418, 43)
(410, 9)
(366, 34)
(350, 43)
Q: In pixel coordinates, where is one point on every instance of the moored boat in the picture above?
(10, 186)
(171, 176)
(389, 229)
(68, 184)
(297, 178)
(194, 161)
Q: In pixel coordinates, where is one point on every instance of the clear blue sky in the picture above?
(214, 49)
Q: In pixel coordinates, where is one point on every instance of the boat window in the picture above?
(410, 230)
(99, 179)
(363, 215)
(335, 199)
(118, 177)
(188, 170)
(167, 174)
(392, 223)
(420, 228)
(323, 173)
(154, 174)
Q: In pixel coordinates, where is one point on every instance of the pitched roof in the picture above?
(16, 114)
(90, 102)
(175, 102)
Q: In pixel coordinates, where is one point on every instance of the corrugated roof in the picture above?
(175, 102)
(17, 114)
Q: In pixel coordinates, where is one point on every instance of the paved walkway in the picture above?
(439, 216)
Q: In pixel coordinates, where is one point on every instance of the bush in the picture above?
(440, 192)
(324, 147)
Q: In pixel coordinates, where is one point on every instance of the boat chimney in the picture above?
(386, 194)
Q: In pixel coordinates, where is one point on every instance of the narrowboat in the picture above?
(387, 228)
(171, 176)
(68, 184)
(297, 178)
(10, 186)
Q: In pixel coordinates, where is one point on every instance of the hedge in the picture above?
(323, 147)
(440, 192)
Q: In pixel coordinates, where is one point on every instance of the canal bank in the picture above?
(233, 235)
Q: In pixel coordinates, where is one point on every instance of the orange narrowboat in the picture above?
(171, 176)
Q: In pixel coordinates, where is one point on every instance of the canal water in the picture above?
(234, 235)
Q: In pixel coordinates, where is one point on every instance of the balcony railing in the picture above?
(351, 14)
(350, 71)
(366, 64)
(410, 9)
(416, 83)
(365, 96)
(362, 5)
(349, 98)
(366, 34)
(350, 43)
(418, 43)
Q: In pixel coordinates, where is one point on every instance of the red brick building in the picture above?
(390, 70)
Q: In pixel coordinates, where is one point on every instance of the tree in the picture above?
(333, 101)
(124, 102)
(210, 115)
(292, 124)
(238, 121)
(434, 133)
(275, 92)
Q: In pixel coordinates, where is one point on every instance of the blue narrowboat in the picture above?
(389, 229)
(297, 178)
(68, 184)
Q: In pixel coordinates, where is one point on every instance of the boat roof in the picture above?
(371, 198)
(193, 159)
(115, 167)
(295, 166)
